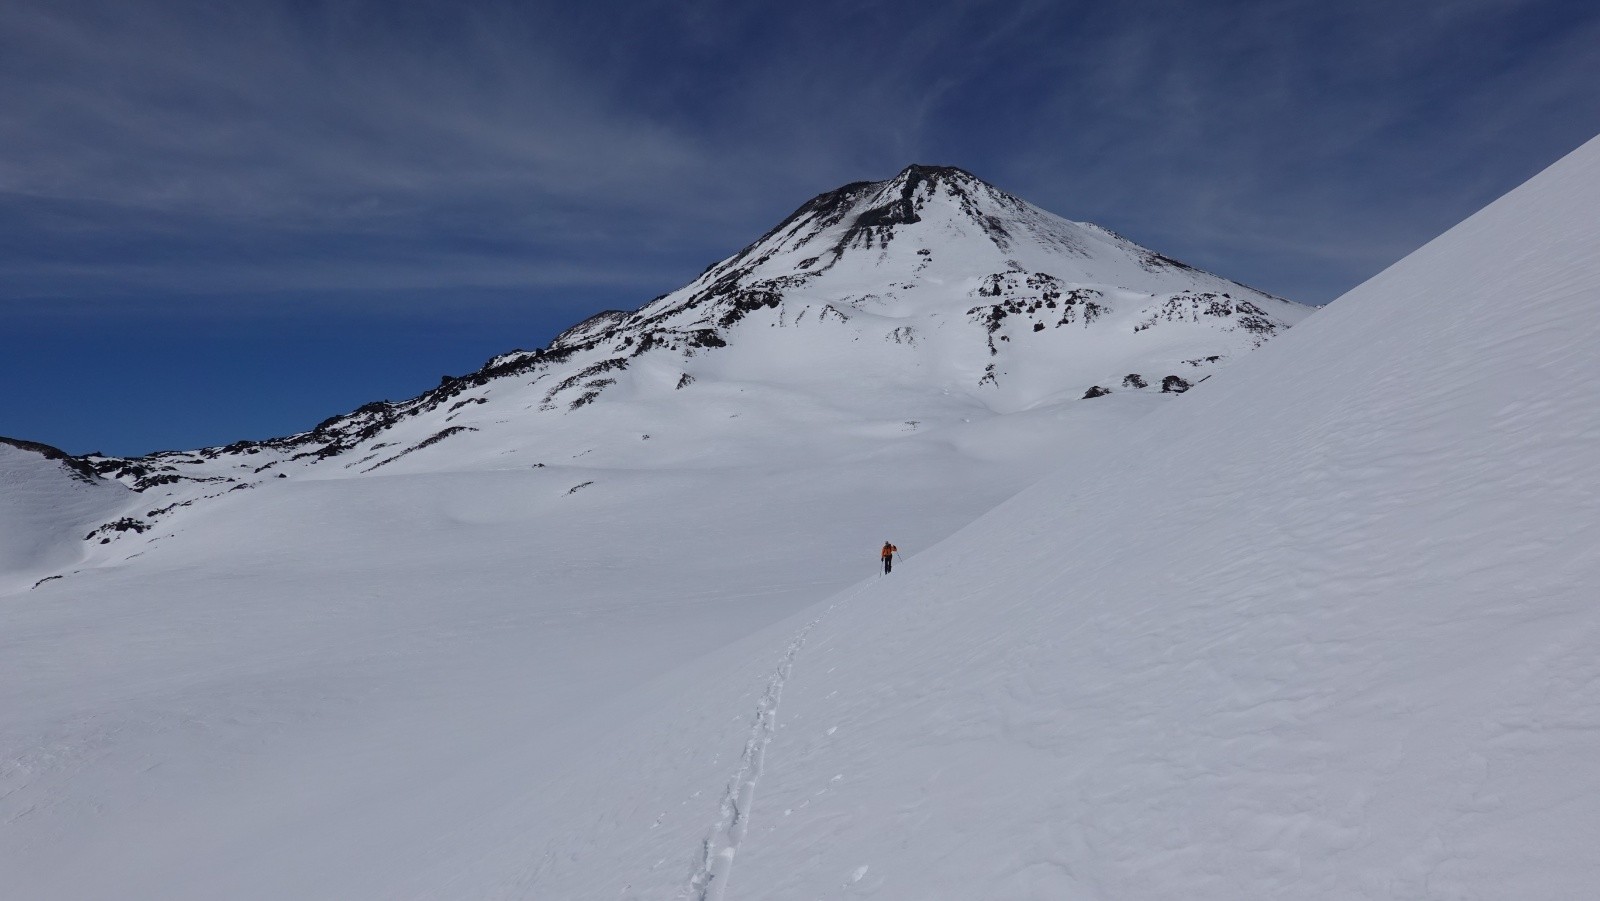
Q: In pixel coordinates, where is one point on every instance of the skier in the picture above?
(888, 556)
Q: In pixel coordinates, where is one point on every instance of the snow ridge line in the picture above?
(710, 878)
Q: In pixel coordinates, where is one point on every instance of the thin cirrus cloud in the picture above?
(252, 109)
(194, 149)
(1307, 146)
(163, 148)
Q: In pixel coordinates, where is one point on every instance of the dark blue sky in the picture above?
(225, 221)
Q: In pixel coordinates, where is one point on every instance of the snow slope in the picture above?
(1325, 630)
(51, 502)
(440, 684)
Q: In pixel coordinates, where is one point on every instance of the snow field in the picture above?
(456, 684)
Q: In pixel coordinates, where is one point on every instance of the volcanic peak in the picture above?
(933, 271)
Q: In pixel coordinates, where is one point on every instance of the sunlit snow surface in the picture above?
(1326, 629)
(47, 509)
(448, 684)
(1322, 628)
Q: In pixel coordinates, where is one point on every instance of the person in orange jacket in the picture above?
(888, 556)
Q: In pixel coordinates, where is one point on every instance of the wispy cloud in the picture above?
(1312, 142)
(201, 126)
(191, 148)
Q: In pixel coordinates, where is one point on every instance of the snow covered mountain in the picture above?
(928, 300)
(51, 501)
(506, 639)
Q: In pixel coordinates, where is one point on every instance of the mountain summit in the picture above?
(936, 239)
(922, 208)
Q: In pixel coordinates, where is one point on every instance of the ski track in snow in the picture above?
(709, 881)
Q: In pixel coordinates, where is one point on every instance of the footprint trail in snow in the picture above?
(710, 879)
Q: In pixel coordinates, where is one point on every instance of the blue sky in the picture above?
(225, 221)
